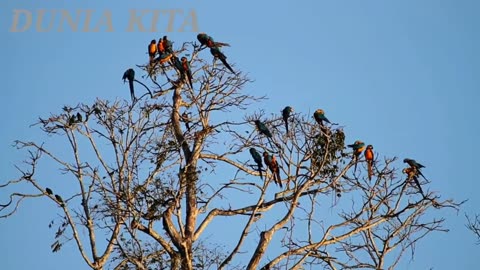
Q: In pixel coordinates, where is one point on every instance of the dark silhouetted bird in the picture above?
(130, 76)
(79, 117)
(262, 128)
(59, 199)
(286, 114)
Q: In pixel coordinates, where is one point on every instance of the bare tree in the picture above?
(473, 224)
(145, 175)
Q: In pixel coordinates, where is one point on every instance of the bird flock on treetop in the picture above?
(162, 52)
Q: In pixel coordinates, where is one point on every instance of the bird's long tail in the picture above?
(420, 173)
(260, 171)
(370, 170)
(286, 124)
(419, 186)
(355, 158)
(227, 65)
(132, 93)
(190, 81)
(220, 44)
(277, 175)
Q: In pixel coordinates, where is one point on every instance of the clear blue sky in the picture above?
(401, 75)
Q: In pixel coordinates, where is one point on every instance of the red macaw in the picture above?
(369, 157)
(272, 164)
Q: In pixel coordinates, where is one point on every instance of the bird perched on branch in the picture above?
(206, 40)
(59, 199)
(164, 47)
(413, 171)
(319, 116)
(285, 115)
(187, 71)
(417, 166)
(358, 147)
(412, 174)
(262, 129)
(258, 160)
(272, 164)
(130, 76)
(369, 156)
(152, 50)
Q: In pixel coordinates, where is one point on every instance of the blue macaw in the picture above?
(130, 76)
(262, 128)
(258, 160)
(358, 148)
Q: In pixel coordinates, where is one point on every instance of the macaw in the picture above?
(412, 175)
(152, 50)
(319, 116)
(130, 76)
(177, 64)
(49, 191)
(258, 159)
(165, 58)
(187, 70)
(272, 164)
(206, 40)
(167, 45)
(417, 166)
(164, 47)
(358, 148)
(286, 114)
(215, 51)
(262, 128)
(369, 157)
